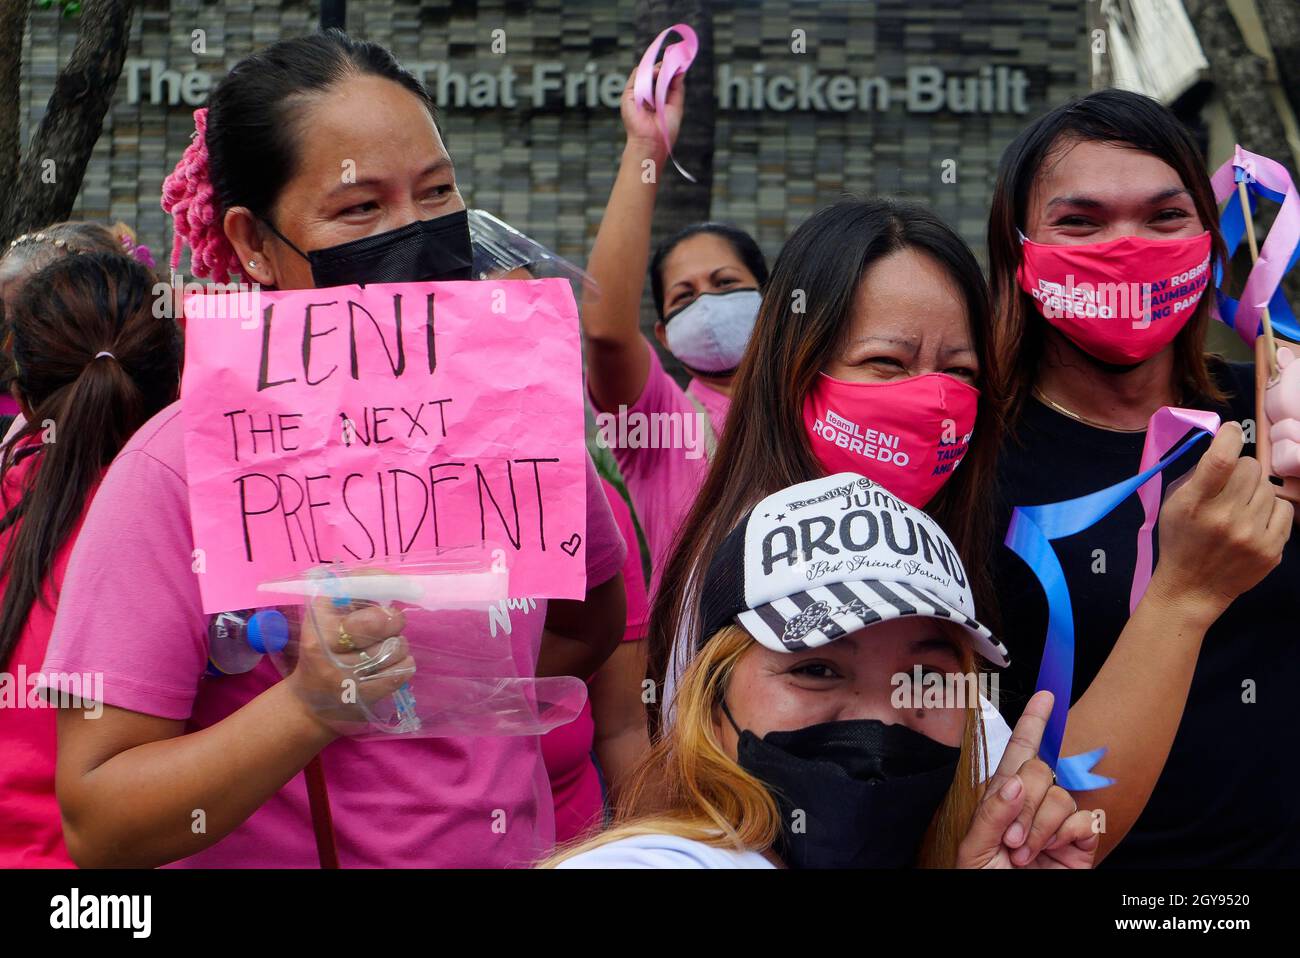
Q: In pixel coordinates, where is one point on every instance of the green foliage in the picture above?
(68, 8)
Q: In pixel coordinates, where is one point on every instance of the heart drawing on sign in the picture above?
(571, 547)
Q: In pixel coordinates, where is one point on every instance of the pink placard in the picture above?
(358, 425)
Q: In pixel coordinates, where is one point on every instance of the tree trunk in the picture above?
(13, 22)
(1282, 17)
(1241, 81)
(681, 202)
(50, 173)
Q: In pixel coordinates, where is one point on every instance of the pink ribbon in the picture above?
(652, 93)
(1167, 425)
(1275, 254)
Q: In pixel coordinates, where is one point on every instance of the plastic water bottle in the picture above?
(238, 640)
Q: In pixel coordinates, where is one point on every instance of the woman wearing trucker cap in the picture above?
(800, 738)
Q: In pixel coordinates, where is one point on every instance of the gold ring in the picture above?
(345, 640)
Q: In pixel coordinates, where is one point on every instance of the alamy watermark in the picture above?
(52, 690)
(1141, 303)
(929, 689)
(657, 430)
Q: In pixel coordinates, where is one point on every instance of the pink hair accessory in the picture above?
(138, 251)
(188, 196)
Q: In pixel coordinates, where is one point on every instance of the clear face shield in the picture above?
(500, 249)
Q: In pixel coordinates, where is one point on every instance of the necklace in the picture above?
(1078, 418)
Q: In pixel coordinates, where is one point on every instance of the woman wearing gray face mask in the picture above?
(705, 281)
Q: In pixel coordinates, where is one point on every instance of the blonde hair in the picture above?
(688, 786)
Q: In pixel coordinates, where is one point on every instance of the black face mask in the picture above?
(423, 251)
(867, 791)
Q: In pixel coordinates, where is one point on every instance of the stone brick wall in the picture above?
(548, 170)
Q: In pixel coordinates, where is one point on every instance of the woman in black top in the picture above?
(1199, 726)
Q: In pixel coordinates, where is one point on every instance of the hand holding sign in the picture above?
(1222, 530)
(1025, 820)
(370, 659)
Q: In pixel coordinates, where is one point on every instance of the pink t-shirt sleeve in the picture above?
(638, 606)
(130, 605)
(661, 394)
(605, 547)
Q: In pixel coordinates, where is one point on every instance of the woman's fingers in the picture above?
(1039, 780)
(1219, 462)
(376, 686)
(1056, 807)
(1074, 845)
(1025, 737)
(375, 658)
(995, 813)
(1243, 482)
(1281, 515)
(366, 627)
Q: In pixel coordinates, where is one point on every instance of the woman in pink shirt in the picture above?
(204, 772)
(705, 281)
(92, 363)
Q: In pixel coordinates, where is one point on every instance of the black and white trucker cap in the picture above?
(823, 559)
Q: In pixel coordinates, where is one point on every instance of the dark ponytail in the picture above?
(84, 406)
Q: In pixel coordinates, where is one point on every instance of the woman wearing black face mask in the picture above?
(803, 737)
(268, 190)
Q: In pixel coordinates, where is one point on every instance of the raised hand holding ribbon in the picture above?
(651, 86)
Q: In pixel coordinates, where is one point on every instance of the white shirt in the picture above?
(664, 851)
(997, 733)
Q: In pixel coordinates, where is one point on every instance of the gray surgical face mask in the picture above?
(710, 333)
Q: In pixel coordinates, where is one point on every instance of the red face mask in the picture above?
(1122, 301)
(907, 435)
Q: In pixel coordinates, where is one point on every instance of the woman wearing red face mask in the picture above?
(869, 355)
(1102, 237)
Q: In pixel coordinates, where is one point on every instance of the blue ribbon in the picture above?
(1232, 224)
(1030, 536)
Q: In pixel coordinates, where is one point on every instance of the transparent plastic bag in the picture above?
(500, 248)
(466, 679)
